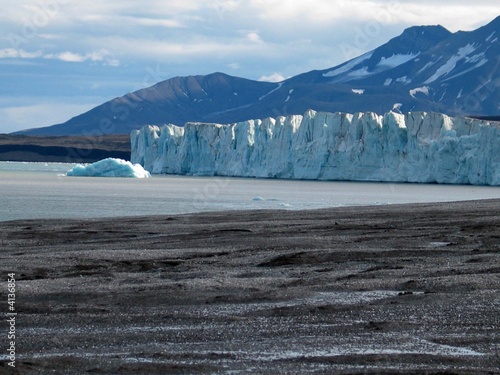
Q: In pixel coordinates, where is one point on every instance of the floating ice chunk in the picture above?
(109, 167)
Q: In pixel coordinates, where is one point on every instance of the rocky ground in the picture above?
(403, 289)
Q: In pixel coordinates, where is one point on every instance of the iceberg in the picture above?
(109, 167)
(413, 147)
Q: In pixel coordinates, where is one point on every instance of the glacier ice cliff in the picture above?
(413, 147)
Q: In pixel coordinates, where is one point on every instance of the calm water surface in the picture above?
(41, 190)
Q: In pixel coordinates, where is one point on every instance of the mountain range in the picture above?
(426, 68)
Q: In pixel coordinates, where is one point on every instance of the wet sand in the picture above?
(400, 289)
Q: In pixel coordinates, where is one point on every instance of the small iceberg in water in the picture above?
(109, 167)
(258, 199)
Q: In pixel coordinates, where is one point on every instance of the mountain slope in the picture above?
(426, 68)
(176, 100)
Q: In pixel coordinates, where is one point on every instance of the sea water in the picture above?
(42, 190)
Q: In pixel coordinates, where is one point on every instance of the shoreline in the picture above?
(263, 210)
(409, 288)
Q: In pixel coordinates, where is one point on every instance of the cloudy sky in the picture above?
(59, 58)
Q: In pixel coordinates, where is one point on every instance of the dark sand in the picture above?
(403, 289)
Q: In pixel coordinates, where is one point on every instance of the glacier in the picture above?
(109, 167)
(413, 147)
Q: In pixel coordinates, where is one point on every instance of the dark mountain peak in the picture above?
(398, 51)
(191, 88)
(426, 31)
(414, 40)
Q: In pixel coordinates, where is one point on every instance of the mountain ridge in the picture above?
(426, 68)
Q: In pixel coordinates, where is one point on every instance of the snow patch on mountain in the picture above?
(270, 92)
(448, 67)
(423, 90)
(478, 65)
(360, 73)
(404, 80)
(396, 60)
(397, 107)
(414, 147)
(426, 66)
(348, 66)
(475, 58)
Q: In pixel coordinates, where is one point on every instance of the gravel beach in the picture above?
(394, 289)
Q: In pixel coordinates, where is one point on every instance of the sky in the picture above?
(60, 58)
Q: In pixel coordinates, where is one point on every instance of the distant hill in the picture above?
(65, 149)
(426, 68)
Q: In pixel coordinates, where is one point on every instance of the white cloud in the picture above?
(319, 11)
(154, 29)
(11, 53)
(67, 56)
(197, 47)
(275, 77)
(102, 55)
(234, 66)
(129, 20)
(254, 37)
(155, 22)
(452, 14)
(51, 36)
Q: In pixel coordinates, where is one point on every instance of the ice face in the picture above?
(413, 147)
(109, 168)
